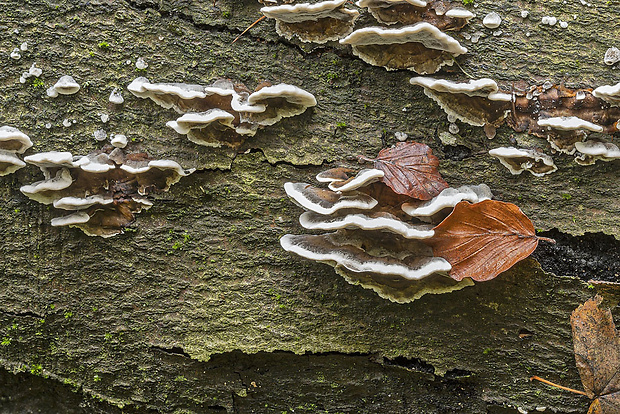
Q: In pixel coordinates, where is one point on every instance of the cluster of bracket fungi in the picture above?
(377, 238)
(418, 43)
(102, 190)
(106, 188)
(224, 113)
(564, 117)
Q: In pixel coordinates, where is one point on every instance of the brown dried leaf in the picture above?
(411, 168)
(484, 239)
(597, 354)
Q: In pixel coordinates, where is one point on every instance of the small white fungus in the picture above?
(24, 46)
(401, 136)
(612, 56)
(15, 54)
(453, 128)
(563, 24)
(34, 71)
(48, 125)
(118, 140)
(116, 97)
(66, 123)
(141, 64)
(105, 118)
(100, 135)
(550, 20)
(492, 20)
(525, 13)
(497, 33)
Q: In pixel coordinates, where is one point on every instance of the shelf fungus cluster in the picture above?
(224, 113)
(318, 23)
(564, 117)
(12, 142)
(375, 237)
(102, 191)
(419, 44)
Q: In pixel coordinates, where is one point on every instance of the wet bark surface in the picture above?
(196, 308)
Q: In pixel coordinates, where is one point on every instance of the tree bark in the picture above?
(196, 308)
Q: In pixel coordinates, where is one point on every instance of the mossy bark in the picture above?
(196, 308)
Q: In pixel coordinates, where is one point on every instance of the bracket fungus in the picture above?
(477, 102)
(382, 238)
(439, 13)
(518, 160)
(12, 142)
(319, 22)
(608, 93)
(566, 131)
(561, 115)
(438, 208)
(593, 150)
(103, 191)
(66, 85)
(372, 241)
(422, 47)
(223, 112)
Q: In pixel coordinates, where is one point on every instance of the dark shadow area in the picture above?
(591, 256)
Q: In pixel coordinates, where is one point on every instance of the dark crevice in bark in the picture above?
(412, 364)
(25, 314)
(591, 256)
(175, 350)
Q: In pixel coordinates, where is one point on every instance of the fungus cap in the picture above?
(13, 140)
(378, 221)
(518, 160)
(569, 123)
(448, 198)
(608, 93)
(593, 150)
(361, 179)
(319, 22)
(66, 85)
(9, 163)
(388, 3)
(201, 120)
(325, 201)
(319, 248)
(424, 33)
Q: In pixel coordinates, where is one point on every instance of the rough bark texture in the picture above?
(197, 309)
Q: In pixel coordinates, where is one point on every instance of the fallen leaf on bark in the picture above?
(597, 353)
(484, 239)
(410, 168)
(596, 342)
